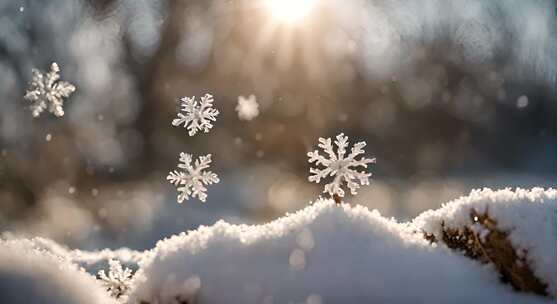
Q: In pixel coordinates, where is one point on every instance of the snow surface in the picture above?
(529, 216)
(322, 254)
(34, 276)
(76, 256)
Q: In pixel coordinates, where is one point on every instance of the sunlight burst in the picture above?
(290, 11)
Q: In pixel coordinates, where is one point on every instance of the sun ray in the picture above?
(290, 11)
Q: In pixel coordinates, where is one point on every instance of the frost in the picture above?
(196, 116)
(191, 181)
(46, 92)
(118, 280)
(247, 108)
(340, 166)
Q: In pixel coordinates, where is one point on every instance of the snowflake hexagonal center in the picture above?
(340, 165)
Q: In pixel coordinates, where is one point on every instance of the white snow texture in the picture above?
(343, 254)
(529, 216)
(325, 253)
(36, 276)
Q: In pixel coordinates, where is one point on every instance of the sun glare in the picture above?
(290, 11)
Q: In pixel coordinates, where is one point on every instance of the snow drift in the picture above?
(341, 254)
(325, 253)
(527, 219)
(35, 276)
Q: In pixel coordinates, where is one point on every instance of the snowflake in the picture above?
(197, 116)
(342, 167)
(192, 179)
(47, 93)
(247, 108)
(118, 280)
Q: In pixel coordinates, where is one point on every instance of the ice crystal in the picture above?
(341, 167)
(196, 116)
(192, 179)
(247, 108)
(118, 280)
(46, 92)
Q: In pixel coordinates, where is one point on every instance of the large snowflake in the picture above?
(192, 179)
(46, 92)
(196, 116)
(118, 280)
(341, 167)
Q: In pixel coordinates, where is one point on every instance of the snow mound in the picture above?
(34, 276)
(321, 254)
(82, 258)
(527, 217)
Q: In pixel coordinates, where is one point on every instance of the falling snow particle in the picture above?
(46, 92)
(340, 166)
(71, 190)
(522, 102)
(247, 108)
(196, 116)
(193, 178)
(48, 137)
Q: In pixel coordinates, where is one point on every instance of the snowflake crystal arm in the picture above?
(196, 116)
(341, 167)
(118, 280)
(46, 92)
(192, 179)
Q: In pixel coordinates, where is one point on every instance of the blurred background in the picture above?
(449, 95)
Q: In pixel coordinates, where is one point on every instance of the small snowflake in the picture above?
(118, 280)
(196, 116)
(47, 93)
(342, 167)
(191, 181)
(247, 108)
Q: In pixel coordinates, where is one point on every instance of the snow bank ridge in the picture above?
(327, 253)
(335, 254)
